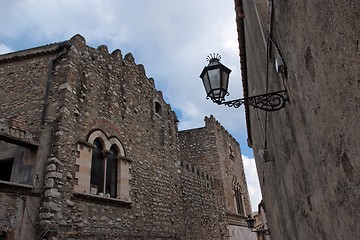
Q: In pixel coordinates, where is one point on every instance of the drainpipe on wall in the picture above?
(64, 46)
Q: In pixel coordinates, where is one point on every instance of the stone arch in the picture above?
(119, 146)
(98, 134)
(122, 166)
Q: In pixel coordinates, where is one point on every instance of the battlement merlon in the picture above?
(211, 122)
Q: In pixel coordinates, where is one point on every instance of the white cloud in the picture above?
(252, 182)
(4, 49)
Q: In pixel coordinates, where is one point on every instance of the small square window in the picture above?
(6, 166)
(158, 109)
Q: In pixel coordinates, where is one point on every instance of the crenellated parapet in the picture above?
(197, 173)
(212, 123)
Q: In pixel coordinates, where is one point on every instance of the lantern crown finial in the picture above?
(213, 57)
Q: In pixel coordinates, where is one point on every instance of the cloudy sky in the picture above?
(170, 38)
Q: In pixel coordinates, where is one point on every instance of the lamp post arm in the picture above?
(262, 231)
(268, 102)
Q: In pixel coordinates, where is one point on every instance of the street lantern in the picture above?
(260, 231)
(215, 78)
(250, 222)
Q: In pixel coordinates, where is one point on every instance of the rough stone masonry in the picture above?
(102, 154)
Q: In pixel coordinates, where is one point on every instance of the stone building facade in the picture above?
(306, 153)
(89, 149)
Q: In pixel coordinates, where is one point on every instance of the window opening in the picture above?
(97, 167)
(158, 108)
(6, 166)
(111, 172)
(102, 169)
(239, 201)
(231, 152)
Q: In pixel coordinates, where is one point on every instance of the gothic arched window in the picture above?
(103, 168)
(111, 172)
(239, 201)
(97, 166)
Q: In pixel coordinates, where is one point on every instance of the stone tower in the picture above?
(214, 150)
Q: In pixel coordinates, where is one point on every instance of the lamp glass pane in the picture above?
(206, 83)
(225, 80)
(216, 93)
(214, 76)
(250, 222)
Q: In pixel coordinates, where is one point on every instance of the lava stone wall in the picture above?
(310, 184)
(203, 206)
(18, 213)
(62, 92)
(23, 85)
(24, 78)
(213, 149)
(93, 89)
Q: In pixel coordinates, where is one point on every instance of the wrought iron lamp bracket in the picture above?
(268, 102)
(261, 231)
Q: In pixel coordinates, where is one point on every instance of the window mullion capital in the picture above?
(106, 153)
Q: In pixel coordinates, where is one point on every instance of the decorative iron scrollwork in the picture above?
(269, 102)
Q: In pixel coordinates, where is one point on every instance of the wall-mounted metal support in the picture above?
(268, 102)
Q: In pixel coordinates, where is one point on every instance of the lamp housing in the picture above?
(250, 222)
(215, 78)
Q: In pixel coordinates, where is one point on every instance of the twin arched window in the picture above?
(239, 201)
(104, 169)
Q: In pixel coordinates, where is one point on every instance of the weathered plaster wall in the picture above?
(241, 232)
(310, 186)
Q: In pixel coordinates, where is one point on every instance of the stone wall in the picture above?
(81, 92)
(213, 149)
(202, 204)
(310, 178)
(24, 82)
(93, 89)
(18, 212)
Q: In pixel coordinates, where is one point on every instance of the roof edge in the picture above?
(239, 10)
(34, 51)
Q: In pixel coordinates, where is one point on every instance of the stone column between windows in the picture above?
(105, 154)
